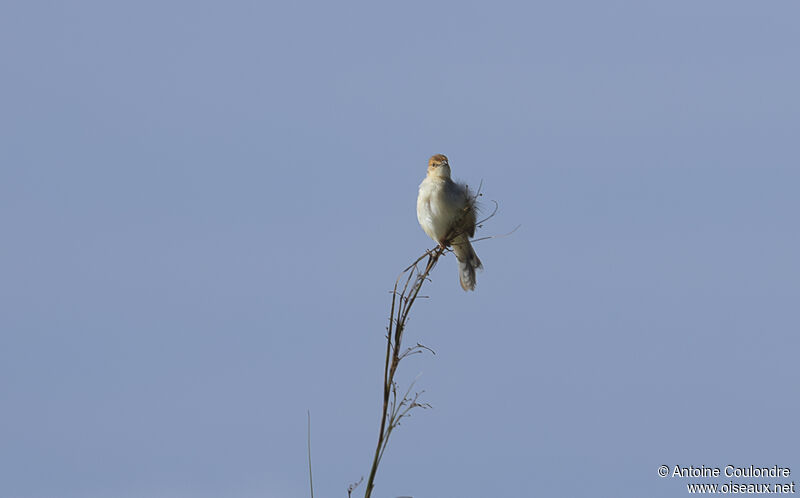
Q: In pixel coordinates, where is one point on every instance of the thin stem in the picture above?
(392, 409)
(310, 476)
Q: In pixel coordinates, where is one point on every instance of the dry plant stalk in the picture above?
(394, 407)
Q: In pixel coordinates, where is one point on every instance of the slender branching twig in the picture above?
(352, 487)
(496, 236)
(404, 295)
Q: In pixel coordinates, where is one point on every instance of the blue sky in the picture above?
(204, 206)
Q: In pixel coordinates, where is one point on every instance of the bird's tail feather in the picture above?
(468, 262)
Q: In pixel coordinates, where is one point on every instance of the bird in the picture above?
(446, 212)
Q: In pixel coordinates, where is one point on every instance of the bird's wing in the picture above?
(467, 210)
(469, 218)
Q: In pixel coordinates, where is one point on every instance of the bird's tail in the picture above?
(468, 262)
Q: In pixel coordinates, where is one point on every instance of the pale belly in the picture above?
(438, 206)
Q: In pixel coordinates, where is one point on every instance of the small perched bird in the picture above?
(446, 211)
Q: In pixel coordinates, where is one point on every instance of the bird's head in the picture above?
(438, 166)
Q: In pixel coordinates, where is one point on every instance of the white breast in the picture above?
(438, 205)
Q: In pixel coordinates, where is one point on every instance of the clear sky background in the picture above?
(204, 205)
